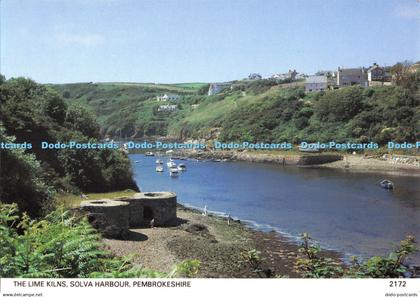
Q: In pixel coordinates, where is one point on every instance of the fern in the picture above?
(63, 245)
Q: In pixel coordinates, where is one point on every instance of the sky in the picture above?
(58, 41)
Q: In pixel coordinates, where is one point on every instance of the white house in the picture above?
(167, 97)
(168, 107)
(291, 74)
(316, 83)
(378, 76)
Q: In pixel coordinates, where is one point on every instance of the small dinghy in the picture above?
(149, 154)
(173, 172)
(171, 164)
(182, 167)
(159, 161)
(159, 168)
(387, 184)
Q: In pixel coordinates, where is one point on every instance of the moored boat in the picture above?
(387, 184)
(159, 168)
(173, 172)
(149, 154)
(159, 161)
(171, 164)
(182, 167)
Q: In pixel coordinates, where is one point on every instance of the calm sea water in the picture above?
(344, 211)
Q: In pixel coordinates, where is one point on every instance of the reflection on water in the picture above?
(345, 211)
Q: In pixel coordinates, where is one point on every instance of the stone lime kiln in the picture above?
(114, 218)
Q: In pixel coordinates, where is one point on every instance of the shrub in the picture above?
(310, 264)
(63, 245)
(20, 180)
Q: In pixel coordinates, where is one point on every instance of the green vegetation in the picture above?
(311, 265)
(64, 245)
(349, 114)
(32, 113)
(71, 200)
(259, 110)
(20, 180)
(37, 238)
(125, 109)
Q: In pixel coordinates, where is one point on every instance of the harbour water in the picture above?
(344, 211)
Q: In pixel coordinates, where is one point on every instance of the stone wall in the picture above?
(110, 217)
(160, 206)
(318, 159)
(113, 218)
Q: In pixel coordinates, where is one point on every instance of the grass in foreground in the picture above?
(73, 200)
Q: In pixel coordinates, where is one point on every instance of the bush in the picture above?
(62, 245)
(311, 265)
(20, 180)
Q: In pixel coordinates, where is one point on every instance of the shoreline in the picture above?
(386, 164)
(217, 244)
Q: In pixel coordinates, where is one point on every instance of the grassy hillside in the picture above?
(254, 111)
(125, 109)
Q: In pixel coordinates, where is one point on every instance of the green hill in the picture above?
(261, 110)
(125, 109)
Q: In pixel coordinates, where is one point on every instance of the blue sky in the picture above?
(195, 40)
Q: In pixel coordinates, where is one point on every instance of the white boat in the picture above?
(171, 164)
(173, 172)
(159, 161)
(149, 154)
(182, 167)
(159, 168)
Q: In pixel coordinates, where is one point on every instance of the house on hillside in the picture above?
(168, 107)
(291, 74)
(378, 76)
(351, 76)
(217, 88)
(167, 97)
(375, 73)
(316, 83)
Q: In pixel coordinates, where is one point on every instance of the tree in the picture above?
(80, 119)
(54, 106)
(401, 72)
(20, 180)
(254, 76)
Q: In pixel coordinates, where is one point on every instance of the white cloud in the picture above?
(81, 39)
